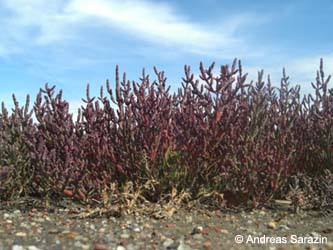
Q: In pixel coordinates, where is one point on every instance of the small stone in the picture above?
(33, 248)
(17, 247)
(163, 238)
(128, 222)
(136, 229)
(78, 244)
(47, 218)
(17, 212)
(188, 219)
(85, 247)
(147, 226)
(17, 241)
(170, 225)
(167, 242)
(39, 219)
(109, 238)
(205, 232)
(207, 245)
(284, 227)
(328, 245)
(315, 234)
(170, 244)
(198, 237)
(21, 234)
(310, 247)
(182, 245)
(92, 227)
(121, 248)
(6, 216)
(131, 247)
(271, 225)
(262, 212)
(124, 236)
(100, 247)
(197, 230)
(72, 235)
(224, 231)
(123, 243)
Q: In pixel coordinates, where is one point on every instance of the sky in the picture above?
(74, 42)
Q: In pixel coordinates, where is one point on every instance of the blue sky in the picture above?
(75, 42)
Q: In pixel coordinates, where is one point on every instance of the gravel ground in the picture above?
(57, 228)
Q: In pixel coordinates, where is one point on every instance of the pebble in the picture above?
(172, 246)
(310, 247)
(124, 236)
(39, 219)
(6, 216)
(167, 243)
(315, 234)
(271, 225)
(17, 247)
(100, 247)
(207, 245)
(33, 248)
(78, 244)
(188, 219)
(198, 237)
(184, 247)
(109, 238)
(21, 234)
(328, 245)
(121, 248)
(147, 226)
(131, 247)
(262, 212)
(17, 212)
(284, 227)
(197, 230)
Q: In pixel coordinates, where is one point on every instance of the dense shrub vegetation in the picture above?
(219, 134)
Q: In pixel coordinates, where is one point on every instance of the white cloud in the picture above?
(32, 23)
(302, 71)
(41, 22)
(306, 68)
(151, 21)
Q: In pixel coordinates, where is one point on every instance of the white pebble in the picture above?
(33, 248)
(17, 247)
(121, 248)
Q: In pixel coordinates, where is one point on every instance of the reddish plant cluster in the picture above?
(218, 133)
